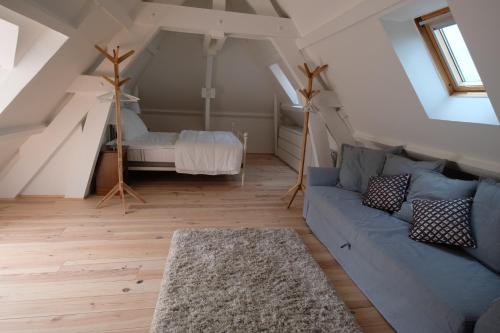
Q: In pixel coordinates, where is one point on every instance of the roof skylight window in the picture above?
(452, 56)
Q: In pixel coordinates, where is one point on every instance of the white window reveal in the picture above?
(8, 40)
(285, 83)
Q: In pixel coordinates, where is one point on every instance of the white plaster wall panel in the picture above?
(174, 77)
(241, 83)
(260, 130)
(12, 139)
(53, 179)
(160, 121)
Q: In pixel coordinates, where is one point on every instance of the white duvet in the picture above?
(208, 153)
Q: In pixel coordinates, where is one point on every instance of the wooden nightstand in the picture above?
(106, 174)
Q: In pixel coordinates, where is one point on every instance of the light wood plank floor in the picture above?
(68, 267)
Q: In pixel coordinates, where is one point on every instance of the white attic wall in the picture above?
(170, 88)
(174, 77)
(376, 93)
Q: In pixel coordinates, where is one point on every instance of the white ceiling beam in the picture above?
(199, 20)
(263, 7)
(137, 38)
(89, 84)
(116, 12)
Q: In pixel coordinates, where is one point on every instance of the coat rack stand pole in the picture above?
(308, 94)
(121, 187)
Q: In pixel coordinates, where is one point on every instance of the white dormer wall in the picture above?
(375, 91)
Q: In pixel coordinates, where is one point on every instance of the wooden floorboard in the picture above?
(68, 267)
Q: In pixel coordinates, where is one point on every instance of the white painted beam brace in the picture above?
(213, 42)
(83, 165)
(199, 20)
(219, 4)
(38, 149)
(327, 101)
(263, 7)
(137, 38)
(116, 12)
(208, 92)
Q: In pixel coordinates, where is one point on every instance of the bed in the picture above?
(190, 152)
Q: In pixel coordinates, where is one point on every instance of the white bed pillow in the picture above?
(132, 125)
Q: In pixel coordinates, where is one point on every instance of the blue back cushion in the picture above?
(486, 224)
(397, 165)
(431, 185)
(358, 164)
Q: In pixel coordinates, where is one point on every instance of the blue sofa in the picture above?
(417, 287)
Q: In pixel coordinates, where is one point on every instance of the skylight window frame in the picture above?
(442, 55)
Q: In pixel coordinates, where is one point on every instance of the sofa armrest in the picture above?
(489, 322)
(322, 176)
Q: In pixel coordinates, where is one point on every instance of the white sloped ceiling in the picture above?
(375, 91)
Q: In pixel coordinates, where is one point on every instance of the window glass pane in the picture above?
(285, 83)
(461, 55)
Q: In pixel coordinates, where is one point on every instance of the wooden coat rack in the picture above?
(121, 187)
(308, 94)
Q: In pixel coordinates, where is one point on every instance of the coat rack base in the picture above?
(121, 188)
(299, 187)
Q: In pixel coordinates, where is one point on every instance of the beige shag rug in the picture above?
(246, 280)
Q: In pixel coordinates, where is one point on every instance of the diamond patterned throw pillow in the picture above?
(387, 192)
(443, 222)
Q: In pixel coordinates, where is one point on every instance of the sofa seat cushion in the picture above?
(455, 280)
